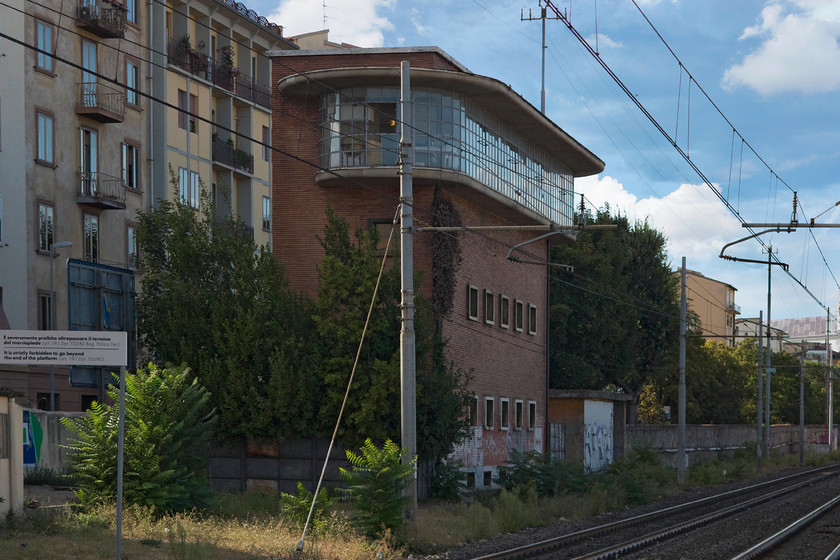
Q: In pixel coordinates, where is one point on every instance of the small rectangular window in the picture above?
(44, 311)
(504, 411)
(488, 479)
(385, 231)
(91, 232)
(504, 312)
(132, 252)
(189, 187)
(193, 112)
(519, 316)
(45, 137)
(46, 226)
(472, 411)
(489, 413)
(183, 107)
(489, 307)
(532, 319)
(472, 303)
(44, 42)
(266, 213)
(532, 415)
(131, 10)
(132, 79)
(518, 414)
(130, 166)
(266, 140)
(43, 400)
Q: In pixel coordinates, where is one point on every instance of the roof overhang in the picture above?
(496, 97)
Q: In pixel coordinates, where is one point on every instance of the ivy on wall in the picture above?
(446, 255)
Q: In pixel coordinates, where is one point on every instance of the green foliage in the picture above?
(547, 478)
(45, 475)
(252, 345)
(448, 482)
(296, 508)
(167, 425)
(622, 294)
(375, 485)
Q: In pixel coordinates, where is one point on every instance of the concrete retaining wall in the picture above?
(44, 439)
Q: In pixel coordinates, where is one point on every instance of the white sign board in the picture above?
(64, 348)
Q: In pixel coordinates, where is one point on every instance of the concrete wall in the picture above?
(45, 437)
(11, 470)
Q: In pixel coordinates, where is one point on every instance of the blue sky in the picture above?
(771, 67)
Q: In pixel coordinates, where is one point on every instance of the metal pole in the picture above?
(408, 383)
(802, 406)
(542, 90)
(831, 442)
(120, 463)
(681, 458)
(767, 363)
(759, 406)
(53, 247)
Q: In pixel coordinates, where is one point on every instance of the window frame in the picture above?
(131, 11)
(132, 258)
(45, 240)
(472, 297)
(519, 315)
(132, 80)
(128, 147)
(266, 147)
(90, 241)
(44, 137)
(266, 213)
(532, 319)
(489, 307)
(489, 413)
(532, 415)
(472, 410)
(504, 413)
(504, 311)
(189, 187)
(45, 303)
(44, 41)
(519, 414)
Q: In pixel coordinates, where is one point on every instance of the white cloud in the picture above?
(357, 22)
(799, 50)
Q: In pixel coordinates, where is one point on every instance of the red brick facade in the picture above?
(506, 363)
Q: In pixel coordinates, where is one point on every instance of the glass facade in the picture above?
(360, 129)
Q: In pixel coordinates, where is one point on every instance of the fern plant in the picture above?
(375, 485)
(296, 508)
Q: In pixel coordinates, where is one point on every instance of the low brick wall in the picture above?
(709, 442)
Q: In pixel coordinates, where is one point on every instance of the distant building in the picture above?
(811, 330)
(483, 152)
(748, 327)
(714, 303)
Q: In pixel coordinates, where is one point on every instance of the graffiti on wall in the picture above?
(33, 436)
(598, 435)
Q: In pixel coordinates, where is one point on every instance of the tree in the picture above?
(615, 319)
(213, 300)
(167, 426)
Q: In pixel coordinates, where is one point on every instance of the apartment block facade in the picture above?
(714, 303)
(481, 151)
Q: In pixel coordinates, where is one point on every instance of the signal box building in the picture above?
(483, 157)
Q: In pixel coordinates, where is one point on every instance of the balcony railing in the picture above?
(100, 190)
(105, 19)
(221, 75)
(224, 152)
(100, 102)
(733, 307)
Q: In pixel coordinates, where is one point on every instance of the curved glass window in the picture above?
(360, 128)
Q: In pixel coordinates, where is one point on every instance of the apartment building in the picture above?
(481, 152)
(209, 64)
(714, 303)
(99, 99)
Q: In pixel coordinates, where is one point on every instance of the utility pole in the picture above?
(681, 458)
(408, 384)
(760, 384)
(802, 405)
(543, 18)
(767, 369)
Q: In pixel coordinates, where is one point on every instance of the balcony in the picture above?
(100, 102)
(100, 191)
(225, 153)
(734, 308)
(104, 19)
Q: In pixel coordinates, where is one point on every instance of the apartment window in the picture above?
(88, 73)
(88, 160)
(489, 412)
(532, 415)
(504, 312)
(519, 316)
(131, 10)
(489, 307)
(518, 410)
(46, 226)
(130, 166)
(187, 104)
(44, 311)
(45, 138)
(383, 237)
(132, 79)
(266, 139)
(132, 251)
(504, 410)
(266, 213)
(91, 233)
(189, 187)
(43, 400)
(472, 411)
(43, 33)
(472, 303)
(532, 319)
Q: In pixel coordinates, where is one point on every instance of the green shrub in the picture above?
(447, 482)
(375, 486)
(45, 475)
(550, 478)
(167, 425)
(296, 508)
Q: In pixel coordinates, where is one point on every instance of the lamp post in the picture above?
(53, 247)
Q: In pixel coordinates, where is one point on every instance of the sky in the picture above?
(749, 95)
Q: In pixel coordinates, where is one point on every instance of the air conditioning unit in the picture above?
(84, 12)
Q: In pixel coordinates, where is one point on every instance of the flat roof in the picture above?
(495, 96)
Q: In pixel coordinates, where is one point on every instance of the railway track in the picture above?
(626, 538)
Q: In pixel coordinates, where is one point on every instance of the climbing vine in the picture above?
(446, 251)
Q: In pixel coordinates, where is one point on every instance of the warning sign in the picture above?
(64, 348)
